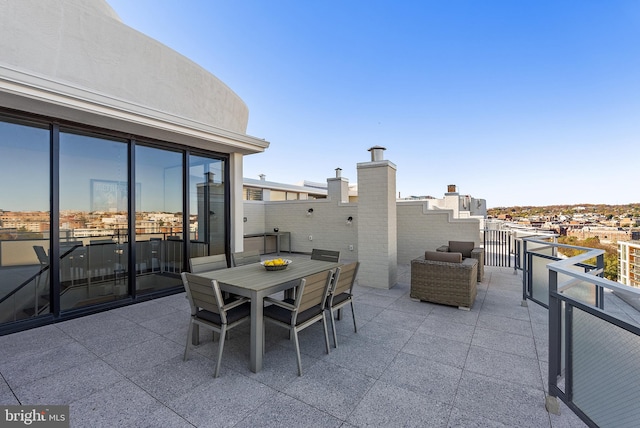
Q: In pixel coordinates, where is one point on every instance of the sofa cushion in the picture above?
(463, 247)
(438, 256)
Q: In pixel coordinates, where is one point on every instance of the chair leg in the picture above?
(295, 339)
(355, 327)
(223, 333)
(195, 334)
(186, 348)
(333, 328)
(326, 334)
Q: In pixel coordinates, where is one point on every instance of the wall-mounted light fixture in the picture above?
(349, 220)
(244, 219)
(309, 211)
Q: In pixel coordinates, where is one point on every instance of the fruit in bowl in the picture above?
(276, 264)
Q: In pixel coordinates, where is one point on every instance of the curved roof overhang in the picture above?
(75, 60)
(36, 94)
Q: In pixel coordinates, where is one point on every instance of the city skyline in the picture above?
(519, 103)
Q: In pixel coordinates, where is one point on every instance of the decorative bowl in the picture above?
(287, 262)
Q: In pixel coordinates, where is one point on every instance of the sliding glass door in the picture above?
(159, 219)
(207, 206)
(93, 219)
(25, 278)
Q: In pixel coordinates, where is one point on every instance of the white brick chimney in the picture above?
(377, 221)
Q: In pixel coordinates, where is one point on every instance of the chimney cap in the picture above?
(376, 153)
(377, 148)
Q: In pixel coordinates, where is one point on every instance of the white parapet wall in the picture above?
(418, 229)
(326, 227)
(421, 229)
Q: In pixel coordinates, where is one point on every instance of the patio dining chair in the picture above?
(245, 257)
(209, 311)
(305, 310)
(207, 263)
(341, 294)
(325, 255)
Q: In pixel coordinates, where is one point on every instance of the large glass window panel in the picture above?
(159, 203)
(207, 206)
(24, 220)
(93, 220)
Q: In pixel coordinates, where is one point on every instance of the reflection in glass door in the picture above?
(159, 208)
(207, 206)
(24, 221)
(93, 220)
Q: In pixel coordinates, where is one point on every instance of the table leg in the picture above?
(257, 332)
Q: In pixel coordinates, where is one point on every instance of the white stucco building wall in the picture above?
(84, 64)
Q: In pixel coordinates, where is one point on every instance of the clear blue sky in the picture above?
(519, 102)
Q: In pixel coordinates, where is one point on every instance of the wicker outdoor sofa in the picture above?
(444, 278)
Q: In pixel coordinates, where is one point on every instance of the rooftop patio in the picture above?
(410, 364)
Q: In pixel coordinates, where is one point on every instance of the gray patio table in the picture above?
(255, 282)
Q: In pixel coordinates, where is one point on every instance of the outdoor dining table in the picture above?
(255, 282)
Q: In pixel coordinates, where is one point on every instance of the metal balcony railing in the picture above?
(594, 355)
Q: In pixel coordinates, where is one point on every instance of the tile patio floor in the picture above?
(412, 364)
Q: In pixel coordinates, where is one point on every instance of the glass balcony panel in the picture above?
(540, 279)
(582, 291)
(606, 373)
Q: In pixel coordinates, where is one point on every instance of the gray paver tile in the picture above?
(31, 367)
(143, 355)
(388, 405)
(285, 411)
(121, 404)
(67, 386)
(444, 326)
(436, 348)
(504, 366)
(509, 403)
(505, 342)
(434, 380)
(330, 388)
(34, 341)
(222, 401)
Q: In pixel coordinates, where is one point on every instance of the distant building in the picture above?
(629, 269)
(263, 190)
(604, 234)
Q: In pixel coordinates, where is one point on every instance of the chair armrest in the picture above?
(478, 254)
(469, 262)
(280, 303)
(237, 302)
(443, 248)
